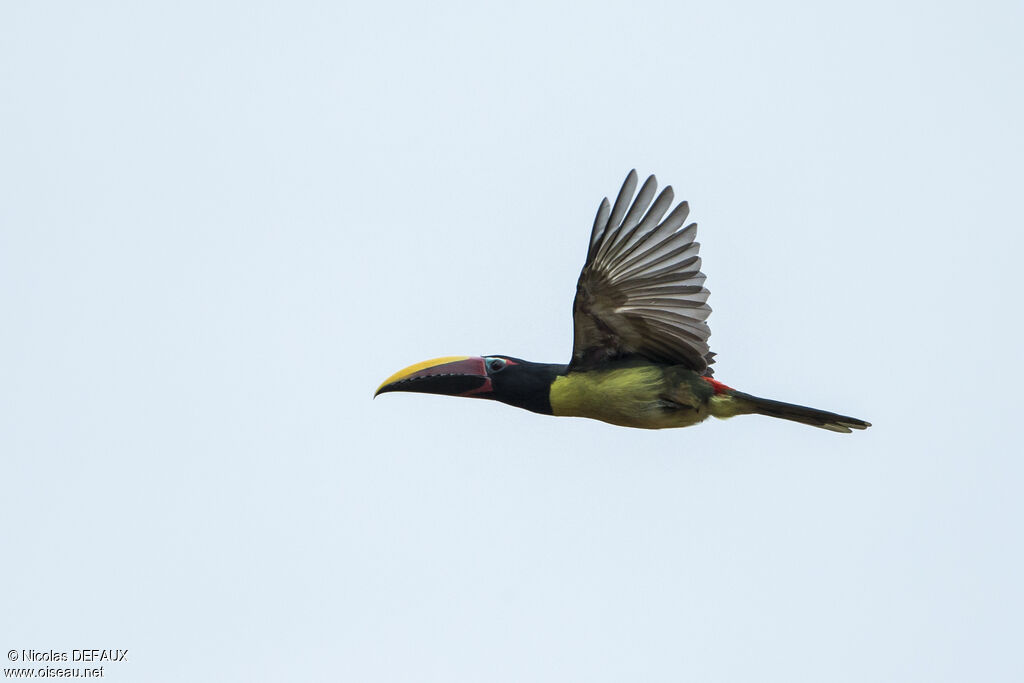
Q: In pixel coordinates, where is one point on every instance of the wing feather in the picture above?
(600, 223)
(641, 292)
(641, 232)
(619, 210)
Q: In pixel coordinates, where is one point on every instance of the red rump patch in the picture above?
(717, 386)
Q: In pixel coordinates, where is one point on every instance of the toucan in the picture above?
(640, 354)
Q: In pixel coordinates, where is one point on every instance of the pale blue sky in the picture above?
(223, 224)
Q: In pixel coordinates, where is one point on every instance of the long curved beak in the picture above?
(451, 375)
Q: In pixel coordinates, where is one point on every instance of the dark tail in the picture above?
(737, 403)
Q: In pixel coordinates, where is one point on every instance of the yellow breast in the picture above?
(630, 397)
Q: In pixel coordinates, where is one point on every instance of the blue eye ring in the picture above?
(496, 364)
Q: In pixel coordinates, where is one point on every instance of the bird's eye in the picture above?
(495, 364)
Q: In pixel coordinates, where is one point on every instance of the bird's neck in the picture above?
(530, 386)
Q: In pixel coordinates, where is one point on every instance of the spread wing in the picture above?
(641, 292)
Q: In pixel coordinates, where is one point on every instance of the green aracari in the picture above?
(640, 353)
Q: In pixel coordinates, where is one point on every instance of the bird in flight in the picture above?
(640, 354)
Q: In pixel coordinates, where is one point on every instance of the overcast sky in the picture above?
(222, 224)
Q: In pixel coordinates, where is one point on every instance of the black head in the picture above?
(501, 378)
